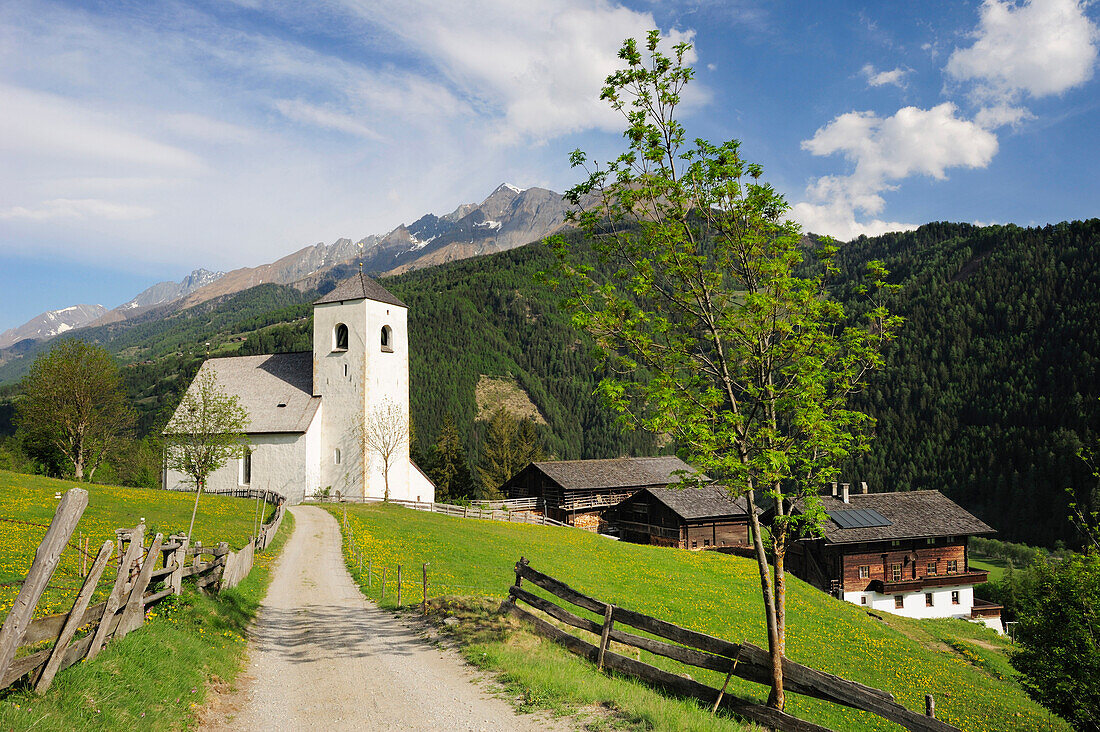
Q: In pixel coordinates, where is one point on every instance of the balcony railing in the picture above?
(661, 531)
(937, 580)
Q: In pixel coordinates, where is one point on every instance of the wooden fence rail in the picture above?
(132, 593)
(515, 515)
(693, 648)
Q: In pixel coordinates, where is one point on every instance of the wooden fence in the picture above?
(744, 660)
(516, 516)
(146, 575)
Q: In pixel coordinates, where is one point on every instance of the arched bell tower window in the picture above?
(340, 338)
(387, 339)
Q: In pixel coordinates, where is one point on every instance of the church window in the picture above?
(387, 339)
(340, 338)
(345, 369)
(245, 473)
(336, 456)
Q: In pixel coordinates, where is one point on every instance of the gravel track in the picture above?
(323, 657)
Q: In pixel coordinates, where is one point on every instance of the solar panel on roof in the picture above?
(859, 518)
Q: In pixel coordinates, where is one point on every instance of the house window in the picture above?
(928, 599)
(954, 597)
(340, 337)
(895, 572)
(694, 544)
(706, 542)
(336, 456)
(930, 541)
(895, 542)
(245, 473)
(864, 571)
(899, 602)
(863, 599)
(932, 569)
(952, 566)
(387, 339)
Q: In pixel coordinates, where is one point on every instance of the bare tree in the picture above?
(73, 399)
(384, 433)
(206, 431)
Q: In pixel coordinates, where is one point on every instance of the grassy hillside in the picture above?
(961, 663)
(27, 505)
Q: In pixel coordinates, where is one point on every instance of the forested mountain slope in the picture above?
(988, 393)
(993, 383)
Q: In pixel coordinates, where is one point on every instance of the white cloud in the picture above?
(300, 111)
(1039, 48)
(895, 76)
(77, 208)
(539, 65)
(48, 125)
(912, 142)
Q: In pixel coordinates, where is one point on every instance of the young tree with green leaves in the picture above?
(73, 400)
(207, 429)
(712, 336)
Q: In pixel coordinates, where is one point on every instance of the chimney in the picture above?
(834, 489)
(844, 491)
(863, 487)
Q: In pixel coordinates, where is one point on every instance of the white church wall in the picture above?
(387, 380)
(355, 382)
(313, 454)
(420, 487)
(278, 464)
(337, 378)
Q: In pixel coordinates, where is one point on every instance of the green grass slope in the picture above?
(716, 594)
(27, 506)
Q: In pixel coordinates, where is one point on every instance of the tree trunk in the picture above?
(195, 510)
(778, 697)
(775, 644)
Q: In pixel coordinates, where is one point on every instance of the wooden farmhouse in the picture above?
(579, 492)
(902, 553)
(688, 518)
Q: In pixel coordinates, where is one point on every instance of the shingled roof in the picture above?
(696, 503)
(912, 515)
(275, 390)
(359, 287)
(614, 473)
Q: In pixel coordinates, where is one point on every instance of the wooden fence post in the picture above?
(134, 615)
(399, 585)
(424, 589)
(604, 641)
(722, 692)
(175, 580)
(370, 571)
(72, 623)
(929, 706)
(115, 598)
(45, 562)
(383, 583)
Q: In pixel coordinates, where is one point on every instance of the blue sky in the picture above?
(140, 140)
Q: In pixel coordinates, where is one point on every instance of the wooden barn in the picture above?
(903, 553)
(688, 518)
(579, 492)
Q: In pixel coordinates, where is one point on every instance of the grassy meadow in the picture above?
(964, 665)
(27, 506)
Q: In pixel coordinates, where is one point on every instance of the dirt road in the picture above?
(322, 657)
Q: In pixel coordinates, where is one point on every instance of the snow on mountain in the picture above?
(52, 323)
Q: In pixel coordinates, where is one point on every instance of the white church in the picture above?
(308, 411)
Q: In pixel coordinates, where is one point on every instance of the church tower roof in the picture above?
(359, 287)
